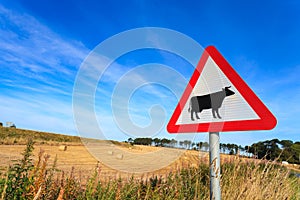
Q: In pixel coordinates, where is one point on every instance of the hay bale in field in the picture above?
(62, 148)
(110, 152)
(120, 156)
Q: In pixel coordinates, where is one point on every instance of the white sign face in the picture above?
(232, 108)
(217, 99)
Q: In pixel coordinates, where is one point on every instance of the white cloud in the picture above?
(29, 48)
(38, 67)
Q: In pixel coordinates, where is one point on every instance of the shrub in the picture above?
(19, 183)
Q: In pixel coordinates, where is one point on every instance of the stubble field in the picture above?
(114, 161)
(113, 170)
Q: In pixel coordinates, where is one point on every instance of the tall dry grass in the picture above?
(27, 179)
(258, 180)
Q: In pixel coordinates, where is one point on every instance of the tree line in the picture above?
(284, 150)
(164, 142)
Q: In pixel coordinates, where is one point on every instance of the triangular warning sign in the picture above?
(217, 99)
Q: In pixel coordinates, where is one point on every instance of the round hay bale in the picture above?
(62, 148)
(120, 156)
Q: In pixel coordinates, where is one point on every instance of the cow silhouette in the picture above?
(209, 101)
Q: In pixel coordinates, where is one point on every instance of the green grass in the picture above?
(240, 180)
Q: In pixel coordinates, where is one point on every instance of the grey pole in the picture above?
(214, 162)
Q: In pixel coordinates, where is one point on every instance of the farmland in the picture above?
(78, 174)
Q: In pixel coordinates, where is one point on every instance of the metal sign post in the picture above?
(214, 164)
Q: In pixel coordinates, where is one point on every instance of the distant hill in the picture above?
(21, 136)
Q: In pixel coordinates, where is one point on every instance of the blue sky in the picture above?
(43, 43)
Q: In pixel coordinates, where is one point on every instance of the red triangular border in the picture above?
(267, 120)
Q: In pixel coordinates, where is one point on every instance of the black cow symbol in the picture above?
(209, 101)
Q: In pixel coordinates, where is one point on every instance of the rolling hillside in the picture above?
(21, 136)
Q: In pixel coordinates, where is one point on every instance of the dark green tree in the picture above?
(130, 141)
(157, 142)
(165, 142)
(200, 145)
(143, 141)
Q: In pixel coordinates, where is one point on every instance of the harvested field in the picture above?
(138, 160)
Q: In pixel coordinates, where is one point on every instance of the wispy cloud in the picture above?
(33, 52)
(38, 69)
